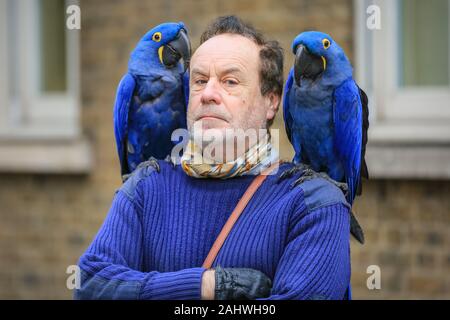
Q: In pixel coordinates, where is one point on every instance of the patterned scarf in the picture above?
(257, 158)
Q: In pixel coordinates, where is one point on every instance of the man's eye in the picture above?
(231, 82)
(200, 81)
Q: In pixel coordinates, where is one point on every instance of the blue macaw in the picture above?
(151, 98)
(326, 114)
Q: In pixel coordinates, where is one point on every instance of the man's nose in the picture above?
(211, 93)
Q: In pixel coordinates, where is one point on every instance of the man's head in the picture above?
(236, 78)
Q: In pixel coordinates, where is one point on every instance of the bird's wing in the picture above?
(186, 88)
(286, 107)
(121, 109)
(365, 128)
(347, 112)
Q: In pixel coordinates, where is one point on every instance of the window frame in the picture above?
(409, 114)
(409, 134)
(35, 137)
(37, 115)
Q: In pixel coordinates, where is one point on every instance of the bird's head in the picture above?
(165, 46)
(318, 55)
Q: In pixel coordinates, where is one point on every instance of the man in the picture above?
(291, 241)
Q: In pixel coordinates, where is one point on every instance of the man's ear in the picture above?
(274, 102)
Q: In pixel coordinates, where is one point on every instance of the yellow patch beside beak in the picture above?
(324, 63)
(160, 52)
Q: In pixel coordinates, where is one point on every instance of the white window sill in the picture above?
(408, 161)
(46, 157)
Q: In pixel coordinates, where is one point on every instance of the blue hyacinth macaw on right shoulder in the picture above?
(326, 114)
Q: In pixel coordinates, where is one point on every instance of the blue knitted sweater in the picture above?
(161, 226)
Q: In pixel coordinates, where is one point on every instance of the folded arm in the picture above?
(110, 267)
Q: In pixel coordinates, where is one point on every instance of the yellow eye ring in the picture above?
(326, 43)
(157, 36)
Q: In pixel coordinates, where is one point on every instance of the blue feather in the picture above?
(120, 116)
(348, 133)
(286, 107)
(186, 88)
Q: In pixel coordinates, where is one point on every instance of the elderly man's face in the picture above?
(225, 90)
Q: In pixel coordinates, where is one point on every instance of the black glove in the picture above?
(241, 284)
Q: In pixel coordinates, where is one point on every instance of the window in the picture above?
(424, 51)
(405, 69)
(39, 87)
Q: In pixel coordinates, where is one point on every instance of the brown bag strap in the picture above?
(235, 215)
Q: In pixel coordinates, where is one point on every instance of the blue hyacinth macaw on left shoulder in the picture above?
(326, 114)
(152, 97)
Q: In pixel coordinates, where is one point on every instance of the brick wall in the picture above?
(47, 221)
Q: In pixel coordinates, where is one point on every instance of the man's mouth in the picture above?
(210, 117)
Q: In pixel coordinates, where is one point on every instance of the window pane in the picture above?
(425, 40)
(53, 45)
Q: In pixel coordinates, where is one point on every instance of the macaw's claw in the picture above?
(292, 171)
(151, 162)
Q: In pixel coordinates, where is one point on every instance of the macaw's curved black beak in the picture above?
(177, 49)
(307, 65)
